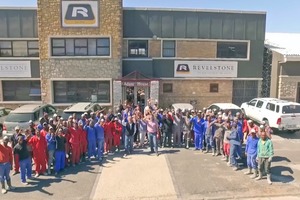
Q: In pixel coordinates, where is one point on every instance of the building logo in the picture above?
(80, 13)
(183, 68)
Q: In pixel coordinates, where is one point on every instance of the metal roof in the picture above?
(287, 44)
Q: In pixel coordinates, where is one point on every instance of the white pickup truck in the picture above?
(279, 114)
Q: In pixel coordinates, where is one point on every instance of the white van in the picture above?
(279, 114)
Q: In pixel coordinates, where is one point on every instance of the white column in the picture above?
(117, 94)
(154, 90)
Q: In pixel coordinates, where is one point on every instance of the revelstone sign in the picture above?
(205, 69)
(15, 69)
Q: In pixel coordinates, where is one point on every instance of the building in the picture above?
(69, 51)
(285, 62)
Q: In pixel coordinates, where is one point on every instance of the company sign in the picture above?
(79, 14)
(15, 69)
(205, 69)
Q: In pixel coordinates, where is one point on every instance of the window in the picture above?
(81, 91)
(138, 48)
(80, 47)
(21, 90)
(167, 88)
(232, 50)
(169, 48)
(10, 48)
(214, 87)
(270, 106)
(291, 109)
(252, 103)
(259, 104)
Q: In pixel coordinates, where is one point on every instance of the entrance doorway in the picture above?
(136, 94)
(298, 93)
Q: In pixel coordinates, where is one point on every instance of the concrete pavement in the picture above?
(138, 176)
(175, 174)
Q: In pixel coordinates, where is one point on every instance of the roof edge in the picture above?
(18, 8)
(195, 10)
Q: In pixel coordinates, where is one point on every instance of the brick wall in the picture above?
(155, 48)
(186, 90)
(49, 24)
(196, 49)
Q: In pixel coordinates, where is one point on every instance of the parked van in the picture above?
(279, 114)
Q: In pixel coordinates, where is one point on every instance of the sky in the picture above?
(282, 16)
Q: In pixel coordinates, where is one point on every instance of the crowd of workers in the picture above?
(56, 143)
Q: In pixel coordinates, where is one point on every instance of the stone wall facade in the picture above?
(155, 48)
(117, 93)
(185, 91)
(49, 25)
(154, 90)
(288, 86)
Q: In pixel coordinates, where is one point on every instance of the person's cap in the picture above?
(40, 119)
(261, 126)
(45, 114)
(82, 115)
(116, 119)
(119, 113)
(80, 123)
(238, 113)
(51, 128)
(252, 131)
(204, 108)
(61, 118)
(5, 138)
(51, 119)
(17, 128)
(220, 116)
(192, 111)
(250, 121)
(199, 111)
(101, 115)
(85, 113)
(102, 120)
(70, 117)
(55, 115)
(92, 113)
(219, 113)
(45, 124)
(263, 122)
(30, 122)
(161, 110)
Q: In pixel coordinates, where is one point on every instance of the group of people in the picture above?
(56, 143)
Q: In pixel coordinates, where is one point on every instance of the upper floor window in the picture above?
(137, 48)
(169, 48)
(80, 46)
(232, 50)
(19, 48)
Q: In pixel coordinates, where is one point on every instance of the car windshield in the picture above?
(234, 111)
(66, 115)
(19, 117)
(291, 109)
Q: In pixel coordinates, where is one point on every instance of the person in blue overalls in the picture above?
(91, 135)
(197, 122)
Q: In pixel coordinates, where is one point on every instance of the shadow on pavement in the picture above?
(288, 134)
(280, 159)
(279, 174)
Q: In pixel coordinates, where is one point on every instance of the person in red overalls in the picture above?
(117, 131)
(82, 140)
(39, 147)
(75, 145)
(108, 135)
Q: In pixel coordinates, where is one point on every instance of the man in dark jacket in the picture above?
(130, 131)
(167, 124)
(235, 141)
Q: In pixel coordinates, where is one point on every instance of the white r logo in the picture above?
(80, 10)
